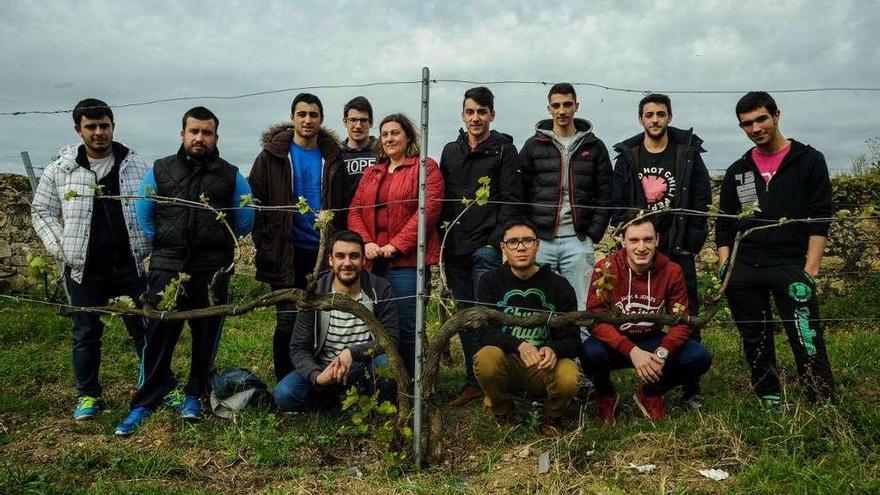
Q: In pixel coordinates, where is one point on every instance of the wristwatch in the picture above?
(662, 353)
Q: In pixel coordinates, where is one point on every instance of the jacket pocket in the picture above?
(269, 247)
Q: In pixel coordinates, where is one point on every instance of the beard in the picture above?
(656, 133)
(348, 282)
(200, 153)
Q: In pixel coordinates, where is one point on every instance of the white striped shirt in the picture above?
(345, 331)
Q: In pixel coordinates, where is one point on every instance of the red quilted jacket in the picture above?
(403, 215)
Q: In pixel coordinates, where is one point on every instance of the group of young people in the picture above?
(528, 250)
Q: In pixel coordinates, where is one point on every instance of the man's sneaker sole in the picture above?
(85, 416)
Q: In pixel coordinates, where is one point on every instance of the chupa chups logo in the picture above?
(800, 292)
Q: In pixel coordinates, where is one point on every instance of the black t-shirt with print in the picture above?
(656, 173)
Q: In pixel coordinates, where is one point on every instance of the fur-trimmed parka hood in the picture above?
(276, 140)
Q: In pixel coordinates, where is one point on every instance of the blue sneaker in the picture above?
(86, 407)
(131, 422)
(174, 399)
(191, 408)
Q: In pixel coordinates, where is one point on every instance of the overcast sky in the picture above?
(56, 53)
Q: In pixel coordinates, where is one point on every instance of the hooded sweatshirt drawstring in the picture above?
(629, 289)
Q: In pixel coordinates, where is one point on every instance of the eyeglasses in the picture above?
(354, 120)
(567, 104)
(745, 124)
(514, 242)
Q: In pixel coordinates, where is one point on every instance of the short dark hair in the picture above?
(518, 222)
(658, 99)
(633, 221)
(482, 95)
(91, 108)
(200, 113)
(345, 236)
(562, 89)
(359, 103)
(413, 147)
(754, 100)
(307, 98)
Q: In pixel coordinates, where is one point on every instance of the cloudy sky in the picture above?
(56, 53)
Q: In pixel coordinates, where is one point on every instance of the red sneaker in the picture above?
(606, 406)
(651, 407)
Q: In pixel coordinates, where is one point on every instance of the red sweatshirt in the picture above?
(658, 290)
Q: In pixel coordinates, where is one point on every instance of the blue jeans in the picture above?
(463, 274)
(598, 360)
(296, 393)
(96, 289)
(573, 259)
(403, 283)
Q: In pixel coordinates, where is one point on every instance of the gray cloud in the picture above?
(58, 53)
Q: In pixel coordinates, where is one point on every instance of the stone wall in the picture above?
(17, 236)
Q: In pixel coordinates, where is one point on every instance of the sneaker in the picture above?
(550, 426)
(468, 394)
(86, 407)
(651, 407)
(131, 422)
(606, 406)
(771, 401)
(191, 408)
(692, 402)
(174, 399)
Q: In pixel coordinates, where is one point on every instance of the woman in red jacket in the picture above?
(384, 212)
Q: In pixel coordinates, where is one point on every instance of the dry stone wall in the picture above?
(17, 236)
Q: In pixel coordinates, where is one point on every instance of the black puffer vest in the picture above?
(589, 179)
(191, 239)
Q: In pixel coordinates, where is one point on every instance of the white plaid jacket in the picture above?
(64, 224)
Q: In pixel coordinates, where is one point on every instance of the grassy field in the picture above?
(798, 449)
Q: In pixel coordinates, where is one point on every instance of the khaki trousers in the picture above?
(501, 375)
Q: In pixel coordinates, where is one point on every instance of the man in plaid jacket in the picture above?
(82, 215)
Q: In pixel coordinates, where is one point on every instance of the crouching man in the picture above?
(536, 361)
(644, 281)
(333, 350)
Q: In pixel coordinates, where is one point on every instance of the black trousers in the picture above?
(690, 387)
(97, 287)
(794, 293)
(156, 378)
(285, 313)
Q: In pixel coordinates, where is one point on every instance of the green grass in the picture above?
(798, 449)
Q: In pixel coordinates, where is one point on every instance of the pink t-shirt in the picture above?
(769, 164)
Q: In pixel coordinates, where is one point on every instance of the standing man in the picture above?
(97, 242)
(784, 178)
(192, 249)
(644, 281)
(357, 150)
(566, 174)
(662, 168)
(333, 350)
(299, 159)
(537, 361)
(473, 238)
